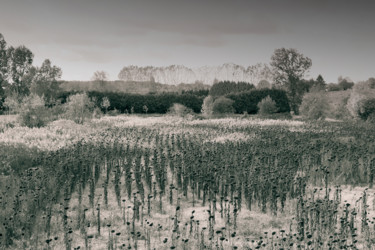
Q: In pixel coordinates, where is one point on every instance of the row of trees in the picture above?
(19, 78)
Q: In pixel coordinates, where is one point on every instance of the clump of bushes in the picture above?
(32, 112)
(178, 109)
(267, 106)
(247, 102)
(314, 105)
(360, 100)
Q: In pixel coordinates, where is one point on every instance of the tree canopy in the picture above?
(289, 67)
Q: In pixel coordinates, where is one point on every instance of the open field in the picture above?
(163, 182)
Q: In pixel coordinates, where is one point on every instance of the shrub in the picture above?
(223, 105)
(179, 110)
(35, 117)
(267, 106)
(248, 101)
(314, 105)
(360, 94)
(33, 112)
(79, 108)
(207, 106)
(367, 109)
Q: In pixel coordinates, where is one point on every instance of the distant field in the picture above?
(163, 182)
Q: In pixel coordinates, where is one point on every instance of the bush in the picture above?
(360, 94)
(247, 102)
(180, 110)
(267, 106)
(367, 109)
(207, 106)
(223, 105)
(33, 112)
(314, 105)
(79, 108)
(35, 117)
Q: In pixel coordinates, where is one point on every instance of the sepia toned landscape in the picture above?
(187, 125)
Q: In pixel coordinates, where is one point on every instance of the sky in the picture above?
(82, 36)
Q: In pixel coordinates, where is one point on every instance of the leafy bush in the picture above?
(35, 117)
(79, 108)
(367, 109)
(314, 105)
(33, 112)
(207, 106)
(360, 94)
(179, 110)
(223, 105)
(267, 106)
(248, 101)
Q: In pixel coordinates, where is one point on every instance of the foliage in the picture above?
(19, 70)
(142, 88)
(343, 84)
(314, 105)
(248, 101)
(267, 106)
(79, 108)
(45, 82)
(100, 76)
(105, 104)
(289, 67)
(367, 109)
(180, 110)
(223, 105)
(207, 106)
(33, 112)
(226, 87)
(358, 96)
(158, 103)
(264, 84)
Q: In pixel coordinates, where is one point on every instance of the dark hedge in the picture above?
(248, 101)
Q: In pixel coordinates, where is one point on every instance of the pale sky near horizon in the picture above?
(82, 36)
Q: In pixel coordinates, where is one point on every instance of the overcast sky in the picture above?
(82, 36)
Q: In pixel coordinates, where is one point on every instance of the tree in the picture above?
(289, 66)
(3, 68)
(20, 61)
(264, 84)
(79, 108)
(100, 76)
(45, 81)
(226, 87)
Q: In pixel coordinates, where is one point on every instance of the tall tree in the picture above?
(20, 61)
(46, 81)
(289, 67)
(3, 65)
